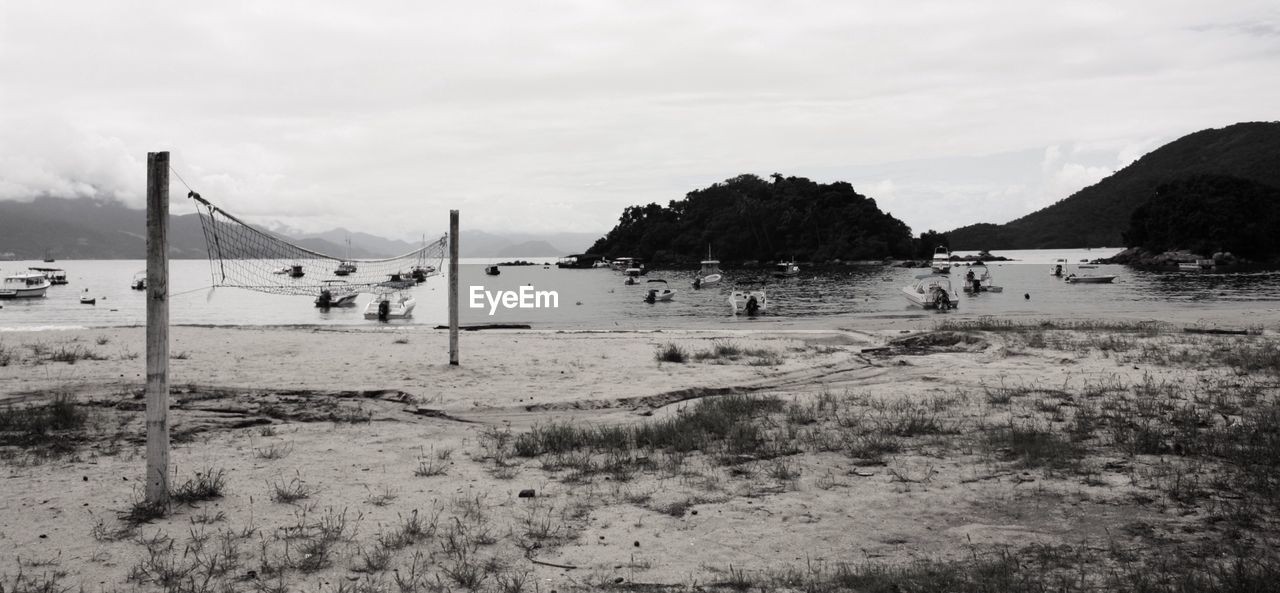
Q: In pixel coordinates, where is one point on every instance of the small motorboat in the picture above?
(710, 272)
(786, 269)
(635, 272)
(941, 262)
(978, 279)
(336, 294)
(281, 271)
(932, 291)
(420, 273)
(295, 271)
(139, 281)
(85, 299)
(1074, 279)
(390, 305)
(656, 295)
(631, 281)
(1059, 268)
(750, 303)
(492, 270)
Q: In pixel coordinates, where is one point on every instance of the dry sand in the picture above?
(275, 407)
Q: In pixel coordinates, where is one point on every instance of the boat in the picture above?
(577, 261)
(48, 257)
(85, 299)
(1074, 279)
(785, 269)
(1059, 267)
(139, 281)
(397, 281)
(420, 273)
(635, 272)
(390, 305)
(978, 279)
(710, 272)
(345, 268)
(941, 262)
(748, 302)
(24, 285)
(492, 270)
(56, 276)
(336, 293)
(284, 270)
(656, 295)
(295, 271)
(932, 291)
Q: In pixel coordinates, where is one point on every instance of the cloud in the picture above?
(384, 115)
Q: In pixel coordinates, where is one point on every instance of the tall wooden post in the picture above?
(157, 491)
(453, 287)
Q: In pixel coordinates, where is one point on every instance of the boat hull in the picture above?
(1090, 279)
(738, 301)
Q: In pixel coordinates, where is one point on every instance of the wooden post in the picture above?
(453, 287)
(157, 491)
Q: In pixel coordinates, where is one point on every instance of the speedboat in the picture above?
(978, 279)
(1059, 268)
(390, 305)
(336, 294)
(941, 262)
(634, 272)
(492, 270)
(932, 291)
(1074, 279)
(295, 271)
(139, 281)
(749, 302)
(420, 273)
(85, 299)
(785, 269)
(24, 285)
(659, 294)
(622, 263)
(56, 276)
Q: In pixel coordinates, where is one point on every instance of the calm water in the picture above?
(598, 299)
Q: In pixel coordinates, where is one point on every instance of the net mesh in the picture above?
(242, 256)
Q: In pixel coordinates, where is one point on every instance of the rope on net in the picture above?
(243, 256)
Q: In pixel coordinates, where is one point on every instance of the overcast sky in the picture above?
(554, 116)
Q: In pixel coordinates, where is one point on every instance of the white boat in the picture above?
(1189, 266)
(661, 294)
(85, 299)
(634, 272)
(1059, 267)
(978, 279)
(941, 263)
(932, 291)
(622, 263)
(139, 281)
(748, 302)
(390, 305)
(710, 272)
(785, 269)
(335, 293)
(1074, 279)
(56, 276)
(24, 285)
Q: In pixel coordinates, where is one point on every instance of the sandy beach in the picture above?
(786, 457)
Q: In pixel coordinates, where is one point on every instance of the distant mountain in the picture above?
(530, 249)
(1098, 215)
(84, 228)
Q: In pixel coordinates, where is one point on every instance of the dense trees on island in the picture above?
(1206, 214)
(749, 218)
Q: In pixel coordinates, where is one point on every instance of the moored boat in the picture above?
(932, 291)
(1074, 279)
(941, 262)
(748, 302)
(85, 299)
(786, 269)
(710, 272)
(56, 276)
(336, 294)
(345, 268)
(978, 279)
(139, 281)
(24, 285)
(390, 305)
(492, 270)
(1059, 268)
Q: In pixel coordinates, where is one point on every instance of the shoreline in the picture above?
(885, 443)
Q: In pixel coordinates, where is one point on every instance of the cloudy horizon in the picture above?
(381, 117)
